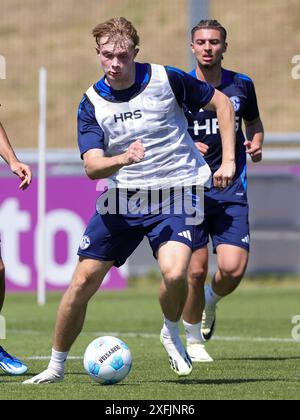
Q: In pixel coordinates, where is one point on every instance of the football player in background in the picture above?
(226, 212)
(8, 363)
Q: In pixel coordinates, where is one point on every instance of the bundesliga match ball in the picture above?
(107, 360)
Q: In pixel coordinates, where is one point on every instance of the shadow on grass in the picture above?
(120, 385)
(258, 359)
(218, 381)
(83, 380)
(22, 378)
(15, 378)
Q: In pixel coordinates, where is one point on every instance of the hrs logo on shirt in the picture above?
(136, 115)
(211, 126)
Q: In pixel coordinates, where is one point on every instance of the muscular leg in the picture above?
(196, 278)
(87, 279)
(232, 265)
(173, 259)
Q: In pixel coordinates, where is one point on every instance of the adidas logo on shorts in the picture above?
(246, 240)
(186, 234)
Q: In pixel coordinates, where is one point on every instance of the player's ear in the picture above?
(192, 47)
(224, 49)
(136, 51)
(97, 50)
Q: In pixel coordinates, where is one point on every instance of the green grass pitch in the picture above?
(255, 356)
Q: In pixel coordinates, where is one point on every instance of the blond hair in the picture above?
(118, 30)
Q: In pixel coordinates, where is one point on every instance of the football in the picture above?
(107, 360)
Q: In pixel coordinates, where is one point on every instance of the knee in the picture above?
(197, 276)
(78, 284)
(175, 277)
(81, 289)
(233, 270)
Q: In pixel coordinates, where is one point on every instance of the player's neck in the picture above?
(124, 83)
(211, 75)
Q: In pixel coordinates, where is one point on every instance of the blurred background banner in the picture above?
(70, 205)
(263, 42)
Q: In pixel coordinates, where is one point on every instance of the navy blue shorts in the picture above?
(114, 237)
(225, 224)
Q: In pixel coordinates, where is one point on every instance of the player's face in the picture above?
(208, 47)
(117, 60)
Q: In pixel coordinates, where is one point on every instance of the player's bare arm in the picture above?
(97, 166)
(226, 118)
(255, 139)
(7, 153)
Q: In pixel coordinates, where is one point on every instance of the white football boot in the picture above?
(198, 353)
(48, 376)
(179, 359)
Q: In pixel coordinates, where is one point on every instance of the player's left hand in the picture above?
(224, 175)
(254, 150)
(23, 172)
(202, 147)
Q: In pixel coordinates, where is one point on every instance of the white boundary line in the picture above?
(156, 336)
(48, 358)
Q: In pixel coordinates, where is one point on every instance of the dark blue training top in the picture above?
(189, 92)
(203, 126)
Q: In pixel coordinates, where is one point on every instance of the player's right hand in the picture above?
(202, 147)
(23, 172)
(134, 154)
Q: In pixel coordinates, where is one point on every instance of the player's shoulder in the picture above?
(82, 103)
(193, 73)
(175, 71)
(180, 77)
(100, 87)
(240, 78)
(188, 78)
(85, 107)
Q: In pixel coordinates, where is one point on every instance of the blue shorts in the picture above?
(225, 223)
(114, 237)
